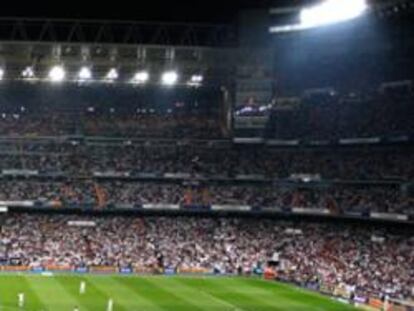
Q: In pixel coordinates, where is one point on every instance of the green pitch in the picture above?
(61, 293)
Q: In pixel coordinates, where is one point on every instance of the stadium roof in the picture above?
(213, 11)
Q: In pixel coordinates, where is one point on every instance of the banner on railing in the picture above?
(143, 270)
(237, 208)
(375, 303)
(161, 206)
(169, 271)
(15, 268)
(354, 141)
(194, 270)
(38, 269)
(248, 140)
(17, 203)
(81, 223)
(146, 175)
(81, 270)
(18, 172)
(126, 206)
(103, 269)
(271, 209)
(354, 214)
(293, 231)
(177, 175)
(310, 211)
(305, 177)
(278, 142)
(126, 270)
(258, 177)
(195, 207)
(327, 288)
(59, 268)
(389, 216)
(111, 174)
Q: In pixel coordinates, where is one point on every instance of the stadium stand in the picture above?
(374, 260)
(243, 162)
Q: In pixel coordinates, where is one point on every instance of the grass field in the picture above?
(157, 293)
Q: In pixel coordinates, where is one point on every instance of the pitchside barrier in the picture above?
(105, 270)
(372, 302)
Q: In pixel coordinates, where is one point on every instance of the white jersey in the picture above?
(20, 298)
(110, 305)
(82, 288)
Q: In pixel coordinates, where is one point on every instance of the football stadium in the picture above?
(240, 156)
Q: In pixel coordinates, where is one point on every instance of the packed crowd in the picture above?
(335, 199)
(131, 126)
(228, 161)
(184, 113)
(54, 192)
(110, 111)
(333, 117)
(374, 260)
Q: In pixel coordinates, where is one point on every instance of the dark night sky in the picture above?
(205, 11)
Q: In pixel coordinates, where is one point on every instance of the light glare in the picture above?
(28, 73)
(197, 78)
(85, 74)
(57, 74)
(169, 78)
(141, 77)
(332, 11)
(112, 74)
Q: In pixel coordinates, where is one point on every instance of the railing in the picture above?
(218, 210)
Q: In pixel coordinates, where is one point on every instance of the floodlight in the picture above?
(57, 74)
(85, 74)
(197, 78)
(28, 72)
(332, 11)
(140, 77)
(1, 73)
(169, 78)
(112, 74)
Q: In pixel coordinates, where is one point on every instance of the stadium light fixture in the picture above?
(112, 75)
(28, 73)
(196, 80)
(85, 74)
(57, 74)
(140, 77)
(1, 73)
(169, 78)
(332, 11)
(328, 12)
